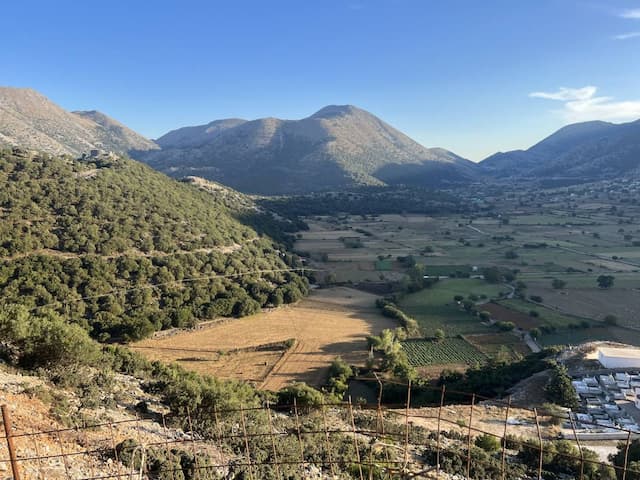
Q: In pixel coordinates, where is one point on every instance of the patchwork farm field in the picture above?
(329, 323)
(546, 316)
(503, 314)
(538, 242)
(595, 303)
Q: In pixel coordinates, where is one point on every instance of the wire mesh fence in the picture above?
(323, 440)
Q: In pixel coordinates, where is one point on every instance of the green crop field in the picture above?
(435, 308)
(448, 351)
(575, 337)
(383, 265)
(447, 270)
(493, 344)
(547, 316)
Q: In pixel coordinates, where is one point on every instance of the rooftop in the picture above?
(619, 352)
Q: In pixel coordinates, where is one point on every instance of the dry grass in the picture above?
(331, 322)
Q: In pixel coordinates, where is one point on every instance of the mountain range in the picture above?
(30, 120)
(338, 146)
(588, 150)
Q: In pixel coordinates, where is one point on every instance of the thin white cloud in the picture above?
(582, 104)
(565, 94)
(633, 13)
(626, 36)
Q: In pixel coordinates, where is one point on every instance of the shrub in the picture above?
(303, 394)
(505, 326)
(487, 442)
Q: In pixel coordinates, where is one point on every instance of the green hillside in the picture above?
(123, 250)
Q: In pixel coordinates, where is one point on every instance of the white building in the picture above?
(619, 357)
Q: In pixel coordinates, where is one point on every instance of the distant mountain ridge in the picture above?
(30, 120)
(583, 150)
(338, 146)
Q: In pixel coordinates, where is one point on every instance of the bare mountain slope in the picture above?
(586, 150)
(337, 146)
(30, 120)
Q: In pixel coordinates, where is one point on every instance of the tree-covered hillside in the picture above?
(123, 251)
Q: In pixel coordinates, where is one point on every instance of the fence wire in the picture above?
(388, 442)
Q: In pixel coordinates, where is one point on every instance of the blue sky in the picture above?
(471, 76)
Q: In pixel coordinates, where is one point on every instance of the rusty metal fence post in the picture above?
(504, 441)
(442, 393)
(541, 452)
(6, 420)
(575, 436)
(473, 403)
(626, 456)
(355, 439)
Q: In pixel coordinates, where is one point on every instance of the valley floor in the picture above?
(329, 323)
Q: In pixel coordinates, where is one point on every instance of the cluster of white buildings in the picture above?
(599, 396)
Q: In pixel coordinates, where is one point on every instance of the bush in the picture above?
(487, 442)
(339, 374)
(44, 341)
(605, 281)
(303, 394)
(505, 326)
(392, 311)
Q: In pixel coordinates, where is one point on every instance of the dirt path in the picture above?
(531, 343)
(477, 230)
(226, 249)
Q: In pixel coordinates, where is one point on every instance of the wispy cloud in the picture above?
(582, 104)
(566, 94)
(633, 13)
(626, 36)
